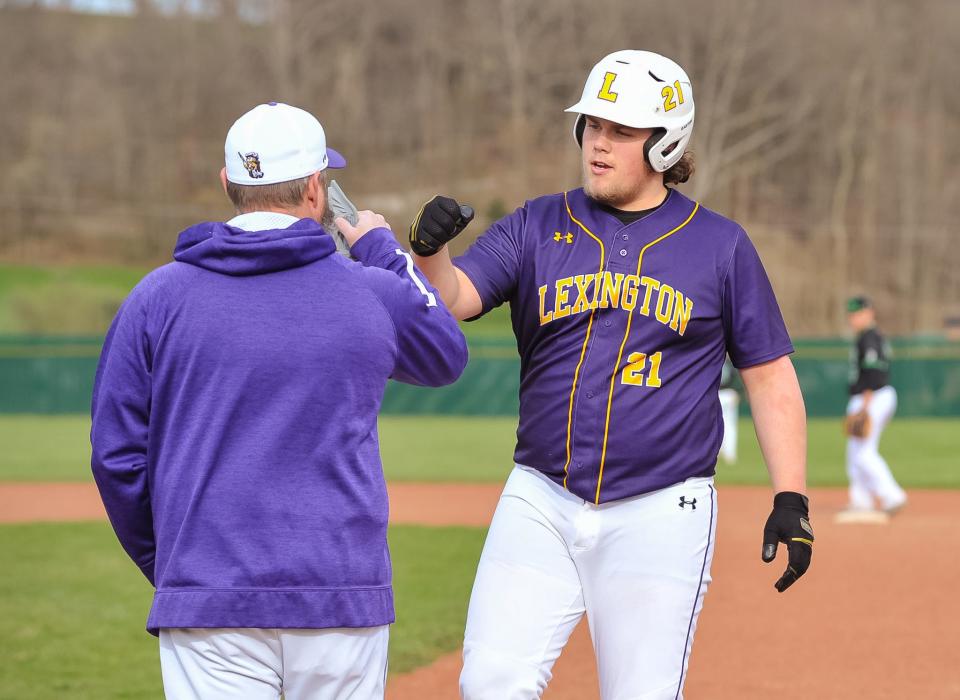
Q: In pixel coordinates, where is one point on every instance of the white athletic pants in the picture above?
(729, 401)
(868, 472)
(260, 664)
(638, 568)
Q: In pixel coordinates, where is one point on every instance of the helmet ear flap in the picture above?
(578, 129)
(651, 141)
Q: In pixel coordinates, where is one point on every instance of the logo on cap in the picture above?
(251, 161)
(606, 93)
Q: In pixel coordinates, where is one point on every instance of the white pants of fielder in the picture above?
(639, 569)
(868, 472)
(260, 664)
(729, 402)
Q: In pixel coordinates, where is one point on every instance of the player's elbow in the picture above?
(451, 362)
(435, 360)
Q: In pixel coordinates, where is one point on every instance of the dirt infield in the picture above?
(877, 616)
(410, 504)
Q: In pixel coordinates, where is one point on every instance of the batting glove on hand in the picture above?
(439, 221)
(789, 522)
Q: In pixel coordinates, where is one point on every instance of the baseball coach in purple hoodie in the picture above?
(235, 428)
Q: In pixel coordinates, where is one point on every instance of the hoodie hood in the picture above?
(232, 251)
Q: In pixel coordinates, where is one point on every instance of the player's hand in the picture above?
(789, 522)
(366, 221)
(439, 221)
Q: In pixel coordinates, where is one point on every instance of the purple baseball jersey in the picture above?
(622, 332)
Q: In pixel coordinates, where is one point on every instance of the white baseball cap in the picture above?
(277, 143)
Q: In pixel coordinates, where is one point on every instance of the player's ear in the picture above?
(317, 189)
(315, 193)
(223, 179)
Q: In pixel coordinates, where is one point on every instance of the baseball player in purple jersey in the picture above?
(235, 428)
(625, 298)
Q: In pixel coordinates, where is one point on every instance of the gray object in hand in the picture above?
(341, 206)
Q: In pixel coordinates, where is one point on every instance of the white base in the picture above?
(861, 517)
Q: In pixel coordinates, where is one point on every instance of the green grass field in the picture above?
(73, 608)
(922, 452)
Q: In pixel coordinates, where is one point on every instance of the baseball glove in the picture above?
(857, 424)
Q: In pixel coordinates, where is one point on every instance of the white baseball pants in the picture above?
(868, 472)
(729, 402)
(639, 569)
(260, 664)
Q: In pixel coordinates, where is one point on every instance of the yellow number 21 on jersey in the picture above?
(633, 372)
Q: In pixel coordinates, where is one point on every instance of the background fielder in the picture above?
(873, 401)
(625, 297)
(729, 405)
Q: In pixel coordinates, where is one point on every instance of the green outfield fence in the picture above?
(55, 375)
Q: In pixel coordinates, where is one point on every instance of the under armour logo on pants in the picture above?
(685, 502)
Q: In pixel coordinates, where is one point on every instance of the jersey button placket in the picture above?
(588, 412)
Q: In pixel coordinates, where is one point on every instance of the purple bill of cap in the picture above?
(335, 160)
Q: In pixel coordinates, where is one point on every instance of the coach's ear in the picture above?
(223, 179)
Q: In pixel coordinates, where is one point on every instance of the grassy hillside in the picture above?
(82, 300)
(75, 300)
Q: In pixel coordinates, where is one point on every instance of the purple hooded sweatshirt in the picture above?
(235, 423)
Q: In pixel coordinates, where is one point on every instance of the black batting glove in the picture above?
(789, 522)
(439, 221)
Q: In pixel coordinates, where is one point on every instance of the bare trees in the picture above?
(829, 129)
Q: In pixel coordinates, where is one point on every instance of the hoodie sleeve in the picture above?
(120, 418)
(431, 349)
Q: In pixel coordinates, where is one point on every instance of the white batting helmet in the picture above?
(644, 90)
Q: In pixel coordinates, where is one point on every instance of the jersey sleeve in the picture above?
(492, 262)
(120, 415)
(431, 348)
(753, 325)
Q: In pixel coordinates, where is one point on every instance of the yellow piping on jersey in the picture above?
(616, 367)
(583, 350)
